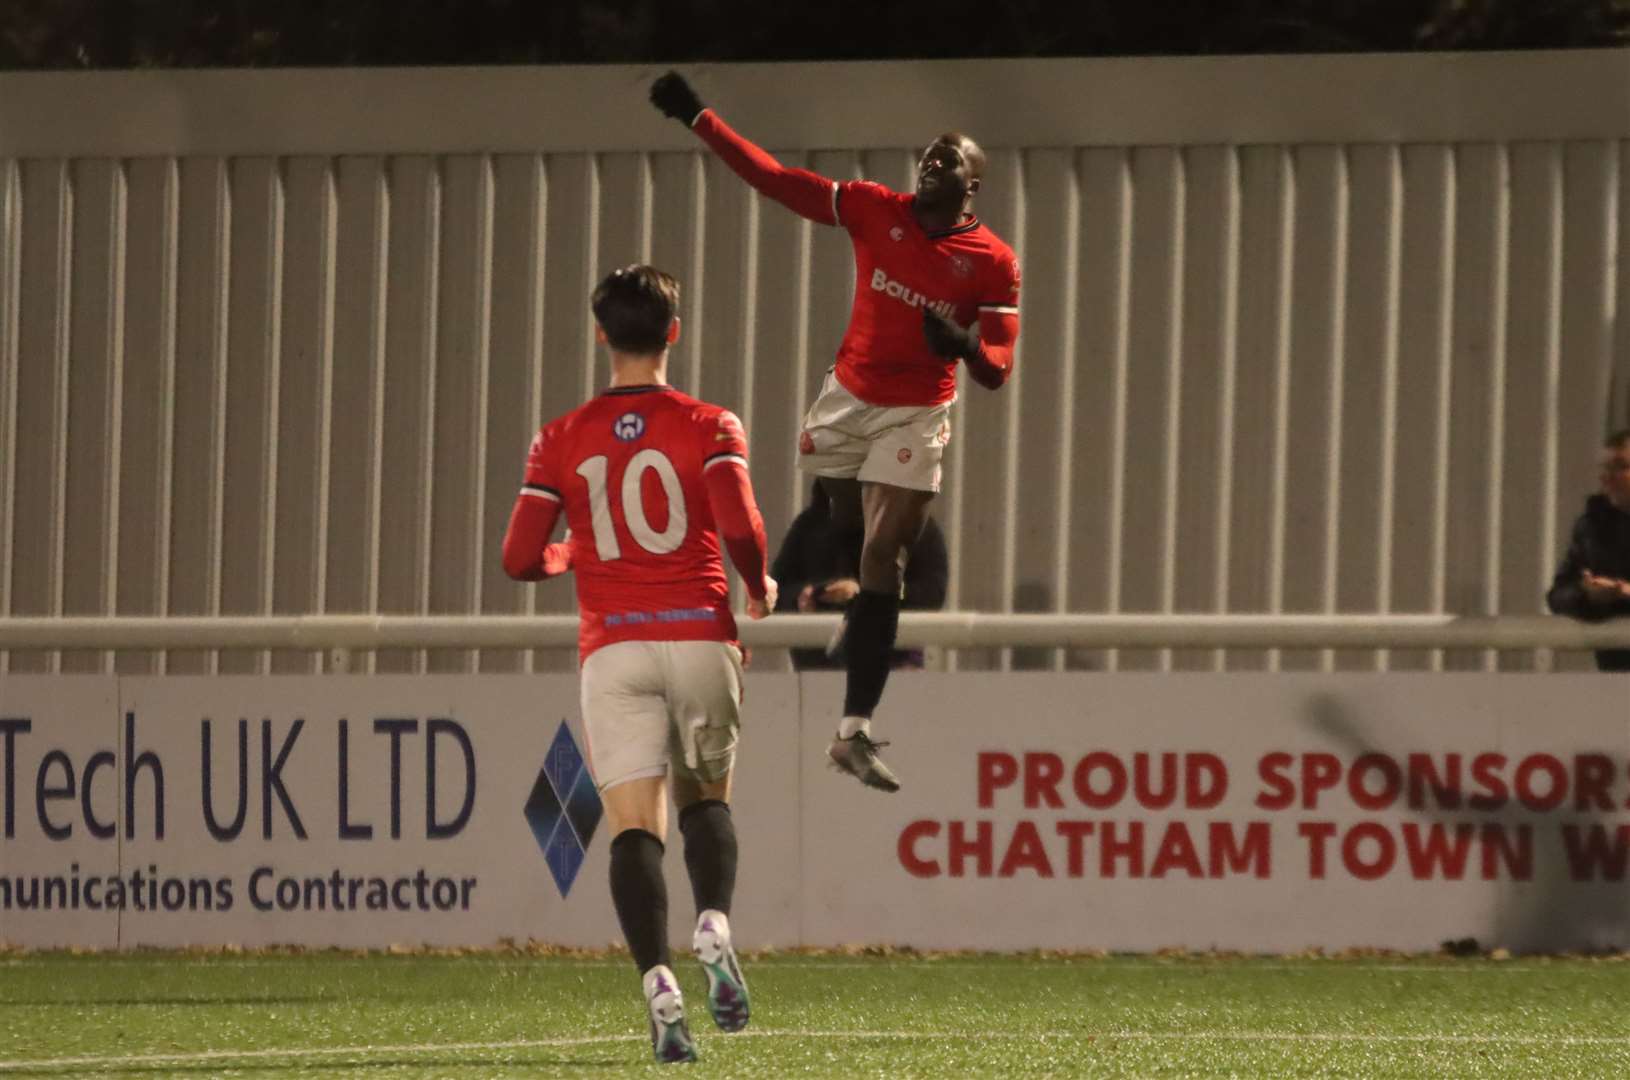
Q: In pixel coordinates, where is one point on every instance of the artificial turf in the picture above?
(520, 1014)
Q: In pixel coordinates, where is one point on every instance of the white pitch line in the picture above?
(125, 1062)
(128, 1061)
(1122, 963)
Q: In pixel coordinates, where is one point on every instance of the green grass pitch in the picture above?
(514, 1014)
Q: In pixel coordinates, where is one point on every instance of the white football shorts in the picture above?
(901, 445)
(651, 704)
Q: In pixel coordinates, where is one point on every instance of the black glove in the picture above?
(946, 338)
(672, 95)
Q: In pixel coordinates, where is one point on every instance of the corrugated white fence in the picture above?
(1301, 334)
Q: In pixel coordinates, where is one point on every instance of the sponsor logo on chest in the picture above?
(882, 283)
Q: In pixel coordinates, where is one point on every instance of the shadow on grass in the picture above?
(80, 1001)
(435, 1065)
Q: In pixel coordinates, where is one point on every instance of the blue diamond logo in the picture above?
(563, 809)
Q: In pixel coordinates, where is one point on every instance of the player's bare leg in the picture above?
(894, 518)
(710, 858)
(637, 813)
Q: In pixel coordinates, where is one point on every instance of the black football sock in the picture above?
(710, 853)
(874, 619)
(847, 543)
(641, 896)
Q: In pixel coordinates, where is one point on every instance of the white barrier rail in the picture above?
(944, 629)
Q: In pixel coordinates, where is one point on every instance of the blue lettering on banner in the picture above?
(433, 828)
(269, 889)
(348, 831)
(231, 830)
(396, 729)
(337, 891)
(134, 764)
(563, 809)
(69, 796)
(58, 780)
(271, 779)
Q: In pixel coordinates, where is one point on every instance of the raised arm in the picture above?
(803, 192)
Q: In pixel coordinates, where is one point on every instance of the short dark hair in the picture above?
(1618, 440)
(635, 305)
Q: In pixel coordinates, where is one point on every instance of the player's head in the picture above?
(1616, 469)
(636, 308)
(948, 172)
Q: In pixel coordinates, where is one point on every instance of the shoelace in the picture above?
(866, 742)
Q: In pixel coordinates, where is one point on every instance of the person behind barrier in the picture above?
(1593, 581)
(811, 572)
(651, 482)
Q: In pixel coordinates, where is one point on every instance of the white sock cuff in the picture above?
(849, 725)
(721, 921)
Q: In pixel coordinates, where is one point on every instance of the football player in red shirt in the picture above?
(933, 287)
(650, 481)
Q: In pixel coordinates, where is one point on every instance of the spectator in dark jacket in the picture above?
(1593, 582)
(808, 568)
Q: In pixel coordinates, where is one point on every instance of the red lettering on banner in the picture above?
(1320, 772)
(1519, 859)
(1110, 849)
(1125, 849)
(1042, 774)
(1593, 775)
(1252, 856)
(916, 866)
(1445, 787)
(1075, 833)
(1352, 851)
(995, 770)
(1317, 834)
(1555, 792)
(1024, 851)
(1486, 773)
(1101, 780)
(1594, 854)
(1176, 853)
(1108, 763)
(1143, 788)
(1392, 782)
(1280, 789)
(959, 848)
(1369, 850)
(1431, 854)
(1205, 781)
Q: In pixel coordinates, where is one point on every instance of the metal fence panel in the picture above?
(1290, 356)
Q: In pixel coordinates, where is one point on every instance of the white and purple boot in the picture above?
(726, 989)
(671, 1041)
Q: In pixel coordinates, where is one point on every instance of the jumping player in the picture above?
(933, 287)
(651, 481)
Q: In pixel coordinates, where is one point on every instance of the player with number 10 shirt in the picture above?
(642, 472)
(651, 481)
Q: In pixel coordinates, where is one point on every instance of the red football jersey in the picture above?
(899, 269)
(628, 468)
(965, 273)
